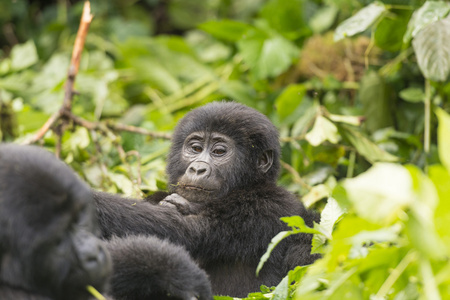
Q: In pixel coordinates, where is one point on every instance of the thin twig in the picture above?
(296, 175)
(139, 130)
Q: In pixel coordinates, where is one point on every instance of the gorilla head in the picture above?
(48, 243)
(223, 146)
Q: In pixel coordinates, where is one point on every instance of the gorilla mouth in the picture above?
(195, 188)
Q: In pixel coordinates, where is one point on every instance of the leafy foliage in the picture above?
(359, 91)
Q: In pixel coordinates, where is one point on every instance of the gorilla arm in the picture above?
(123, 216)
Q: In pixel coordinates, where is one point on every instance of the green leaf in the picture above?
(376, 103)
(420, 226)
(412, 94)
(389, 32)
(389, 234)
(351, 120)
(328, 218)
(441, 178)
(284, 16)
(281, 292)
(431, 11)
(381, 192)
(364, 146)
(227, 30)
(324, 18)
(322, 131)
(430, 288)
(273, 243)
(290, 98)
(444, 137)
(432, 47)
(361, 21)
(23, 56)
(298, 224)
(267, 57)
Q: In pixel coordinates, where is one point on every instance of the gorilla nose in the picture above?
(199, 169)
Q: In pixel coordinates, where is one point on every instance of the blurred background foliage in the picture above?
(349, 83)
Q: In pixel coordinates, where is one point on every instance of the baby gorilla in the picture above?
(49, 247)
(48, 231)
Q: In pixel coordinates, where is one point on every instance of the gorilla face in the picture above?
(208, 158)
(220, 147)
(48, 227)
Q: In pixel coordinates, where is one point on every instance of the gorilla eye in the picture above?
(197, 149)
(219, 151)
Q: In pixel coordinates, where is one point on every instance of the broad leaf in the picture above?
(444, 137)
(23, 56)
(289, 99)
(268, 57)
(322, 131)
(412, 95)
(360, 22)
(381, 192)
(328, 218)
(376, 104)
(227, 30)
(430, 12)
(432, 47)
(364, 146)
(390, 31)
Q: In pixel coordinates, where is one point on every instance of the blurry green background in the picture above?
(349, 84)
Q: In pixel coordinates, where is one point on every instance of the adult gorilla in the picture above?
(48, 243)
(224, 206)
(49, 247)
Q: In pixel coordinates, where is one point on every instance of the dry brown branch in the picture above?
(85, 21)
(64, 115)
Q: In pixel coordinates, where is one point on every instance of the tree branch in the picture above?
(85, 21)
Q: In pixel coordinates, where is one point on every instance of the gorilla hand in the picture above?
(181, 204)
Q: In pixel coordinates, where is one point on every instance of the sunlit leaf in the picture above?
(227, 30)
(431, 11)
(381, 192)
(24, 56)
(324, 18)
(323, 130)
(432, 47)
(444, 137)
(281, 292)
(361, 21)
(328, 218)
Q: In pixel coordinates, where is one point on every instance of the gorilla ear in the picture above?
(265, 161)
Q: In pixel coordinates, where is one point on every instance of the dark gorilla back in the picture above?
(48, 229)
(146, 265)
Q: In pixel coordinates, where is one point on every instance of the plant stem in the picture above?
(426, 141)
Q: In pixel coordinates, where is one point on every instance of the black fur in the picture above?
(148, 268)
(238, 205)
(48, 244)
